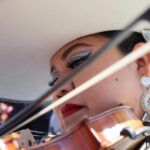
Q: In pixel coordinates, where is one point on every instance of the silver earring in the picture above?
(145, 98)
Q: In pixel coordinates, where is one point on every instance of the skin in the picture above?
(121, 87)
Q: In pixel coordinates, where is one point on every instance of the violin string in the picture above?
(94, 80)
(35, 132)
(36, 135)
(39, 132)
(8, 127)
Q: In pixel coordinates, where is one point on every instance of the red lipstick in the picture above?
(70, 109)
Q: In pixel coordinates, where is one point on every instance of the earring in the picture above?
(145, 98)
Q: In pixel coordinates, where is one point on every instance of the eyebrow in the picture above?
(70, 49)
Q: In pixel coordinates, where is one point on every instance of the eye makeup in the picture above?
(55, 76)
(72, 62)
(78, 58)
(51, 83)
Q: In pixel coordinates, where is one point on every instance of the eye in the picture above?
(52, 82)
(55, 77)
(78, 59)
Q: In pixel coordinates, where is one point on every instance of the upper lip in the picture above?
(70, 109)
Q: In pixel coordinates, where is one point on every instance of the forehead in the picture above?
(90, 40)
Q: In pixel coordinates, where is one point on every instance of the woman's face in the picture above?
(122, 87)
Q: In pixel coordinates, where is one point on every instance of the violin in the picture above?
(9, 142)
(98, 133)
(101, 132)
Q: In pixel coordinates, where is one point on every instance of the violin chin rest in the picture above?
(134, 134)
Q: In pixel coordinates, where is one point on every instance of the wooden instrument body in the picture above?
(96, 133)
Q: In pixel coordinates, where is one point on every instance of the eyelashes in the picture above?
(78, 59)
(51, 83)
(55, 77)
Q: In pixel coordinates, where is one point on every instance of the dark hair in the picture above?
(127, 45)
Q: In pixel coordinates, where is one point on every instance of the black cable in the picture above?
(115, 40)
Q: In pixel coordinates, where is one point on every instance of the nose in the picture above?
(65, 89)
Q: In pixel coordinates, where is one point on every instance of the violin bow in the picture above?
(11, 124)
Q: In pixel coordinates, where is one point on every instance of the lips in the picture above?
(69, 109)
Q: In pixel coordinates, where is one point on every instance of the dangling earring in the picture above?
(145, 82)
(145, 98)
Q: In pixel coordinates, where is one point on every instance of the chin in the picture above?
(74, 119)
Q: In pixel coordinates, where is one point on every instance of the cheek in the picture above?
(93, 69)
(87, 74)
(100, 97)
(122, 87)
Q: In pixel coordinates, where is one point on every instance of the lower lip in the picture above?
(70, 112)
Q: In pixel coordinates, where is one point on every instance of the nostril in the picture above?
(59, 96)
(64, 91)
